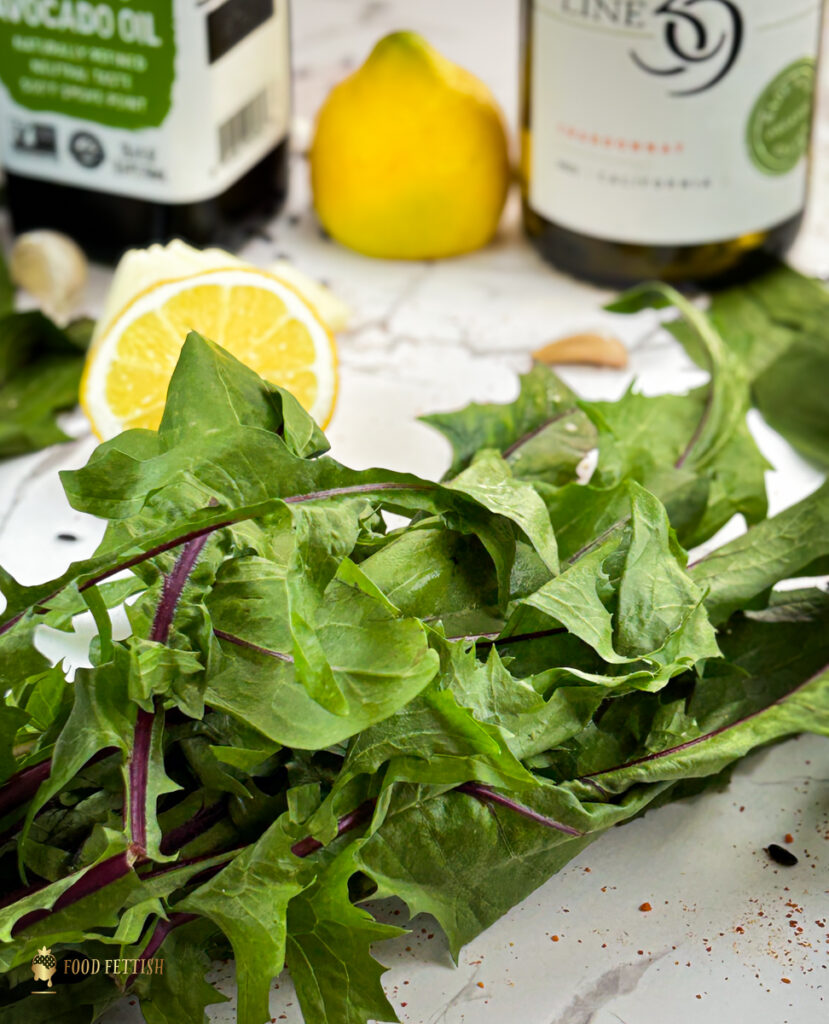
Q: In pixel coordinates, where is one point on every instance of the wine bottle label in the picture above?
(165, 100)
(670, 122)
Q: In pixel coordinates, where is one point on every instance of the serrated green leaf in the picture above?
(542, 434)
(248, 900)
(794, 542)
(329, 950)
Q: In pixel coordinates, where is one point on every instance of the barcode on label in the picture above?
(243, 126)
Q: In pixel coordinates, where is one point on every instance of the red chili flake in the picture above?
(645, 907)
(554, 938)
(640, 952)
(786, 981)
(699, 996)
(788, 838)
(739, 929)
(404, 1004)
(480, 984)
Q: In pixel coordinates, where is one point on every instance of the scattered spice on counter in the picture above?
(781, 856)
(645, 907)
(788, 838)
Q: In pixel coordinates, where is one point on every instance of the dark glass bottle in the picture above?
(666, 139)
(161, 119)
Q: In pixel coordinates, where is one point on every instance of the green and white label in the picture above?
(165, 100)
(670, 122)
(113, 64)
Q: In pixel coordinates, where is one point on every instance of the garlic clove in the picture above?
(52, 268)
(587, 348)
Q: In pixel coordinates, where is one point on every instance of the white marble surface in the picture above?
(731, 936)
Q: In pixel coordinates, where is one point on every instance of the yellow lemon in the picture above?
(409, 157)
(258, 318)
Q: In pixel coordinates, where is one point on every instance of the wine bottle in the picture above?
(666, 138)
(131, 121)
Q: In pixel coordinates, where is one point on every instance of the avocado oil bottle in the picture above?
(666, 138)
(124, 122)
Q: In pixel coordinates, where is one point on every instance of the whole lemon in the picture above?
(409, 158)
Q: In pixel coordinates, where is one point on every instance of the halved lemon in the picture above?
(257, 317)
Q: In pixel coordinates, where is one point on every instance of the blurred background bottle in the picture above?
(132, 121)
(666, 138)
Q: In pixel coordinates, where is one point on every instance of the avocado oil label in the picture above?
(670, 122)
(170, 101)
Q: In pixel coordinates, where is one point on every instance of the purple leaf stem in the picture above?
(303, 848)
(138, 773)
(670, 751)
(493, 639)
(358, 816)
(487, 795)
(513, 448)
(239, 642)
(203, 820)
(173, 586)
(99, 875)
(22, 786)
(121, 566)
(291, 499)
(499, 641)
(160, 933)
(139, 762)
(336, 492)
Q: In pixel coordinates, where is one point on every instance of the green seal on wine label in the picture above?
(780, 121)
